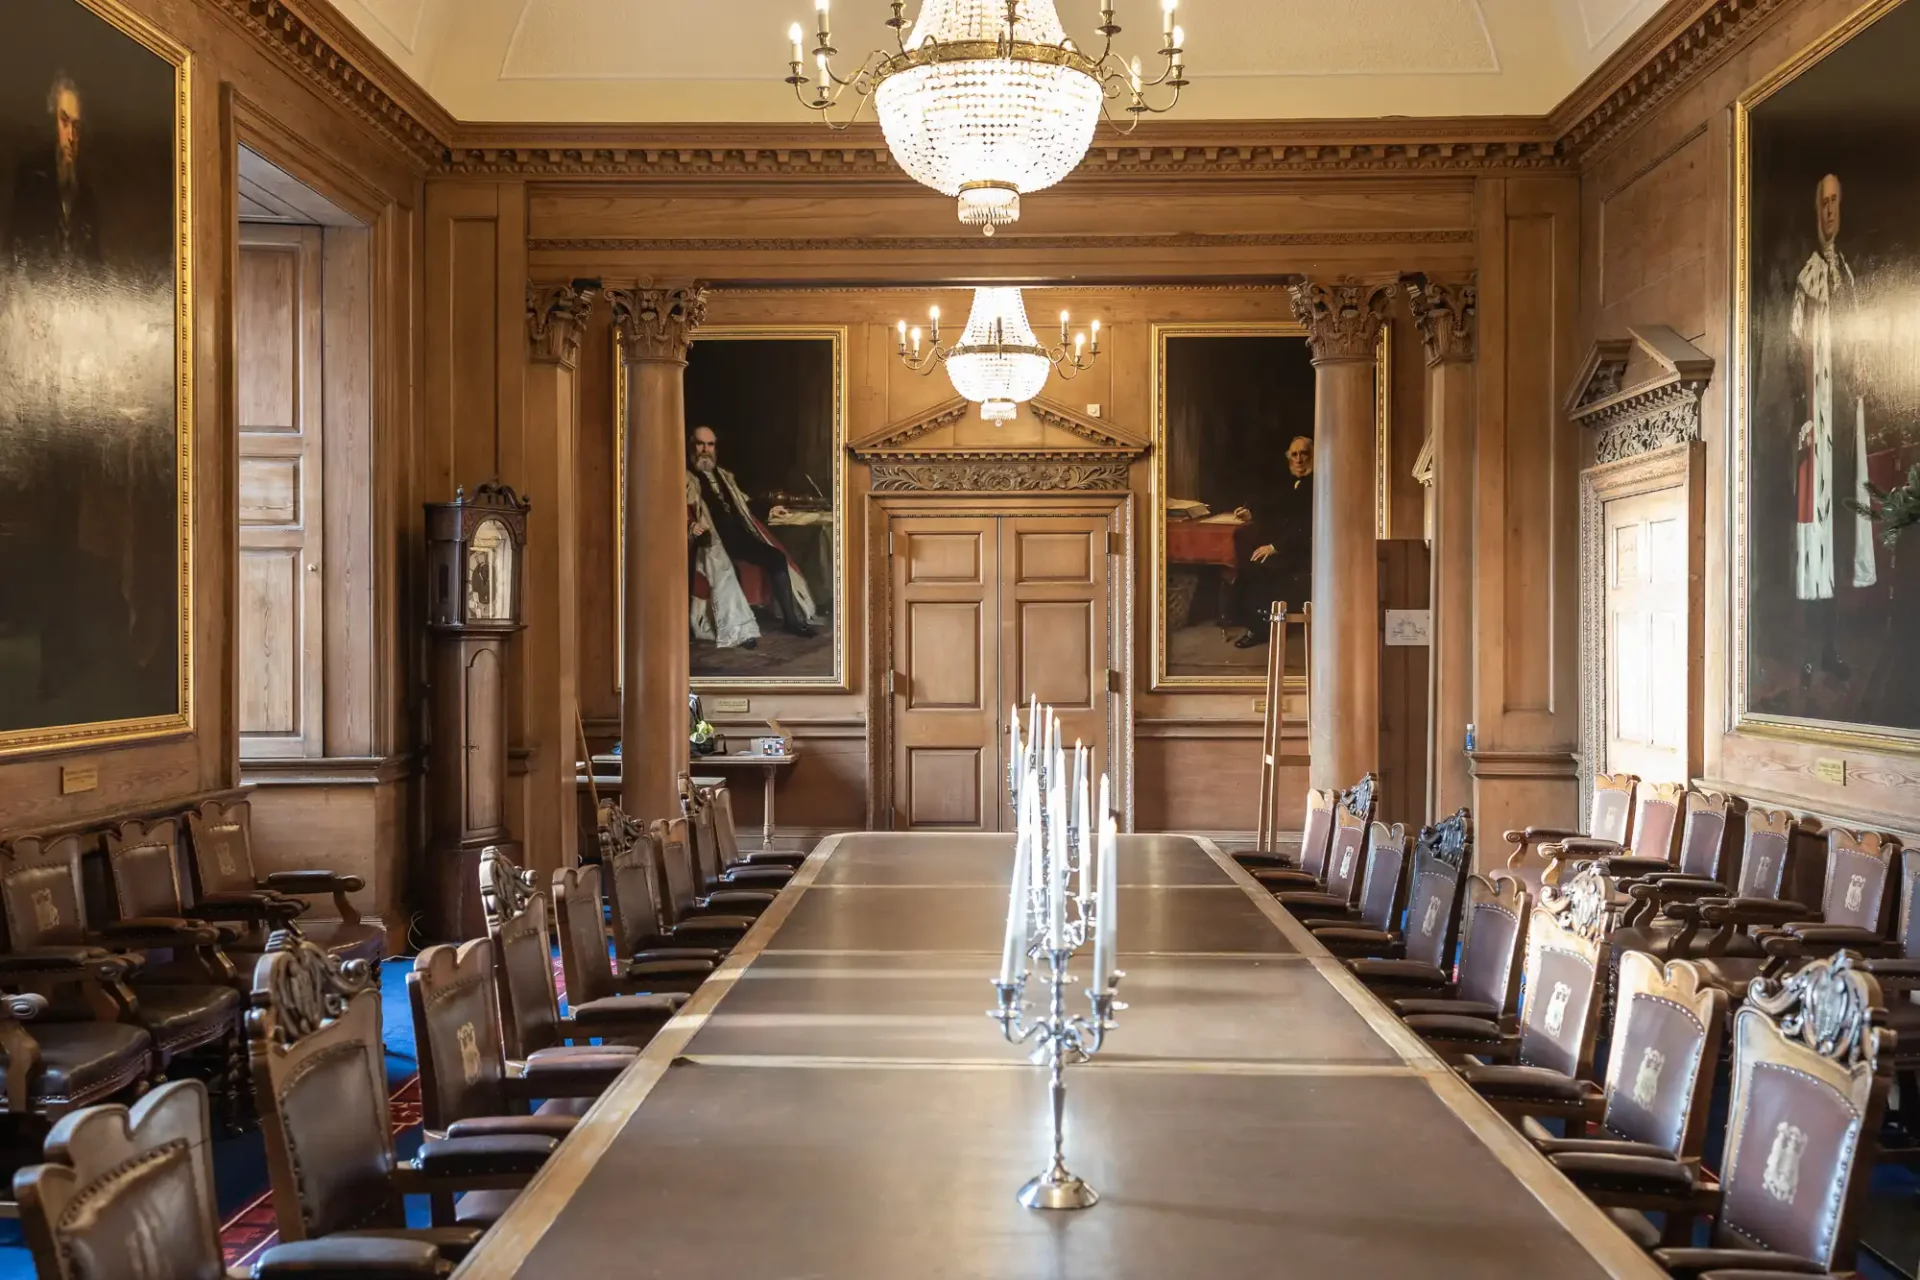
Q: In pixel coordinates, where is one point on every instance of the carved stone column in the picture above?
(1343, 319)
(655, 327)
(1444, 313)
(556, 314)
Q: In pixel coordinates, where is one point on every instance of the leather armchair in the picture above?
(1316, 834)
(320, 1074)
(1803, 1107)
(646, 932)
(599, 1004)
(467, 1086)
(1441, 857)
(127, 1192)
(231, 891)
(731, 855)
(1383, 883)
(688, 891)
(1471, 1014)
(1656, 820)
(1331, 890)
(704, 836)
(55, 1066)
(1536, 851)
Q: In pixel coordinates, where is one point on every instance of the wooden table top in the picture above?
(834, 1101)
(728, 760)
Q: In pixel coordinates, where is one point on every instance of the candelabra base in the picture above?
(1058, 1189)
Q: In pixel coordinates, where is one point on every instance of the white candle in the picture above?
(1107, 939)
(1030, 822)
(1057, 887)
(1083, 828)
(793, 34)
(1013, 953)
(1013, 761)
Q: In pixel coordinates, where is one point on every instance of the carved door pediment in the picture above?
(1046, 448)
(1659, 409)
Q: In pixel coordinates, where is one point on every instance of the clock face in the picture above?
(490, 574)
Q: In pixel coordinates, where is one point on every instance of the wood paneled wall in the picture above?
(1657, 247)
(246, 92)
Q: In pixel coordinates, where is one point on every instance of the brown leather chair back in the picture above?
(728, 836)
(702, 838)
(126, 1193)
(1316, 833)
(1763, 856)
(1347, 853)
(1656, 818)
(1906, 923)
(222, 846)
(1810, 1084)
(458, 1033)
(1703, 836)
(1666, 1042)
(141, 857)
(581, 911)
(1612, 807)
(1859, 868)
(1493, 932)
(516, 913)
(634, 869)
(1386, 876)
(1565, 943)
(1441, 857)
(40, 891)
(676, 867)
(320, 1078)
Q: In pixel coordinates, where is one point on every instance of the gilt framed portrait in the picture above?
(96, 394)
(1827, 609)
(765, 411)
(1233, 463)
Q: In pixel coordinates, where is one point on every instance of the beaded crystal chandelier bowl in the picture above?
(985, 100)
(998, 363)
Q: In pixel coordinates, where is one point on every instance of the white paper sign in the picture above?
(1407, 627)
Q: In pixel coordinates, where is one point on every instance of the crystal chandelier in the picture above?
(998, 363)
(986, 99)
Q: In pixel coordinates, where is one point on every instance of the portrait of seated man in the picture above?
(735, 562)
(1275, 546)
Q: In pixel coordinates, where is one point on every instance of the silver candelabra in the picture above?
(1055, 853)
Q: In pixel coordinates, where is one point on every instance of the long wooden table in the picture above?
(834, 1102)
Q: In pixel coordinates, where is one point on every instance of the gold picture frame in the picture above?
(838, 681)
(1157, 493)
(1824, 733)
(69, 737)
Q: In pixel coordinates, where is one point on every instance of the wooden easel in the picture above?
(1269, 826)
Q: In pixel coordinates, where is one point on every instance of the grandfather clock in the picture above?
(473, 593)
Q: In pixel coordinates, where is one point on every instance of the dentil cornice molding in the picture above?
(1684, 41)
(657, 323)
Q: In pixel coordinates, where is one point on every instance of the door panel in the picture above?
(278, 360)
(945, 667)
(1053, 591)
(1647, 648)
(1056, 654)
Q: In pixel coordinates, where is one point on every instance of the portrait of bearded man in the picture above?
(723, 534)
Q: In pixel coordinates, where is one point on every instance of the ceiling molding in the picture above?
(1685, 40)
(1006, 242)
(333, 55)
(1682, 42)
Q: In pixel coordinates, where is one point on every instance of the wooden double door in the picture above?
(989, 611)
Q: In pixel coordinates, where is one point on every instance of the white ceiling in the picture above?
(722, 60)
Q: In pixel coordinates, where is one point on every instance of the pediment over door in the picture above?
(1047, 448)
(1641, 393)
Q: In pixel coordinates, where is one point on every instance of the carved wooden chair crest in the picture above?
(516, 913)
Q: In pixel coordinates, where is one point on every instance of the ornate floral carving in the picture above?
(1343, 317)
(1013, 473)
(1828, 1005)
(1358, 799)
(505, 889)
(1444, 314)
(306, 988)
(1449, 840)
(657, 324)
(556, 314)
(1655, 414)
(1586, 907)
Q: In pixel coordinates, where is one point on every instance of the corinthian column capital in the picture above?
(657, 324)
(1343, 317)
(1444, 311)
(556, 314)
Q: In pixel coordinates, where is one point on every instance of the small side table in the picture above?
(728, 764)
